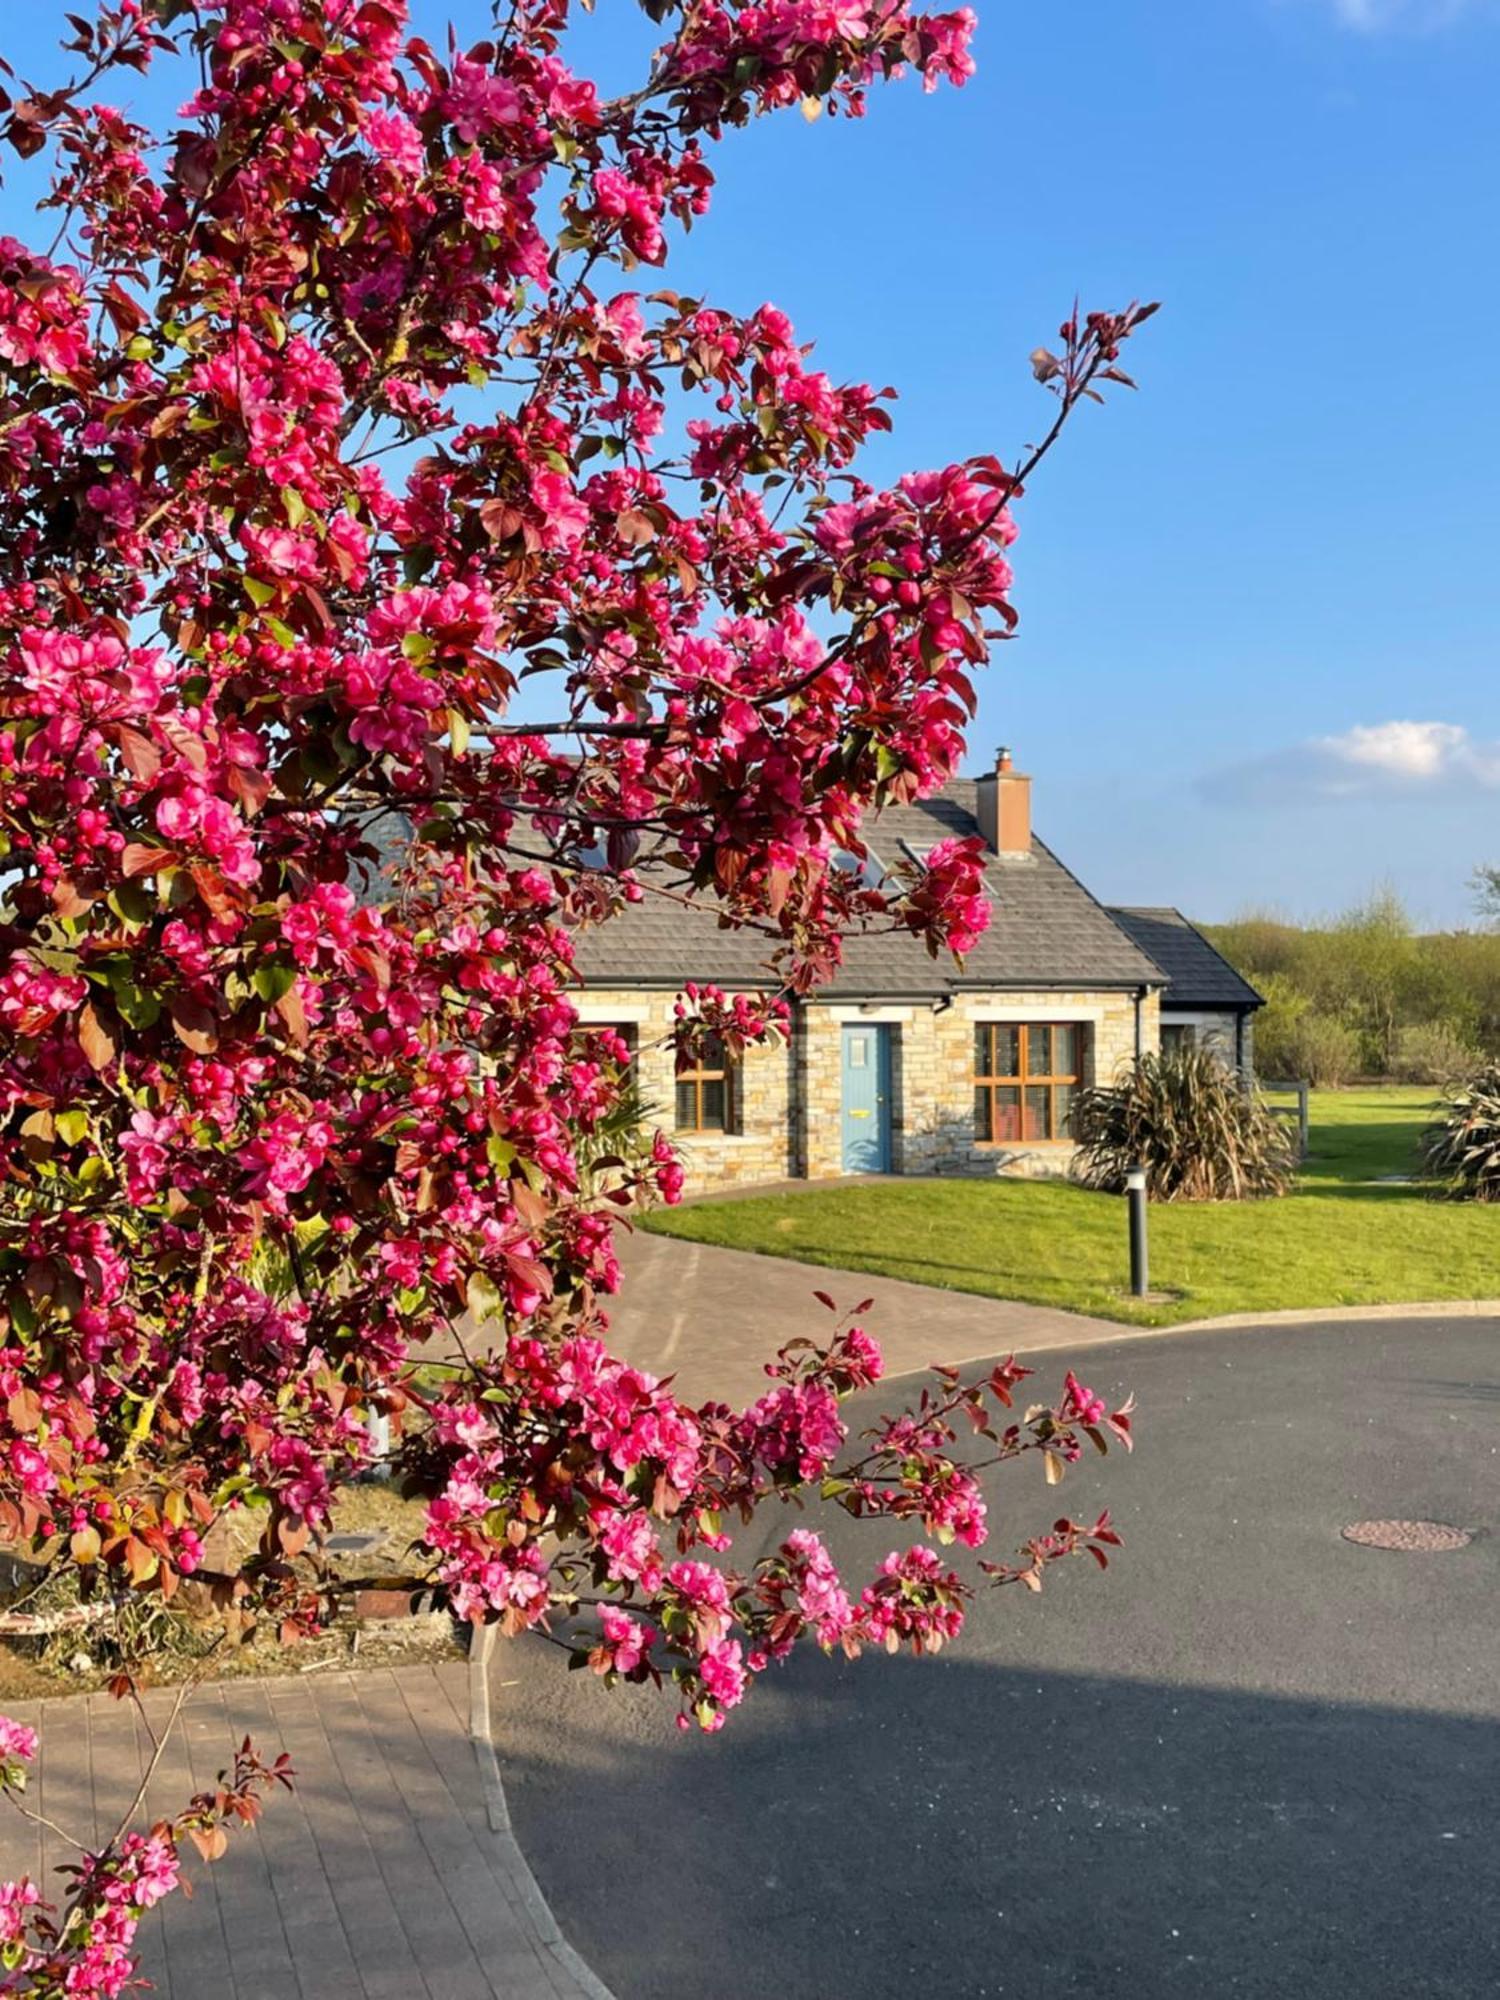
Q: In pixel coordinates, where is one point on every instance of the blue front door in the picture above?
(867, 1105)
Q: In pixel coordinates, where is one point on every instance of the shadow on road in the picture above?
(949, 1828)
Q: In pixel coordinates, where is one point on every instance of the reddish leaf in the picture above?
(67, 899)
(138, 753)
(95, 1039)
(136, 859)
(194, 1025)
(25, 1410)
(634, 527)
(290, 1008)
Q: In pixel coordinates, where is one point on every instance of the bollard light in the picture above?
(1135, 1192)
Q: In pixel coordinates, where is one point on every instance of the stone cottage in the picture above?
(909, 1065)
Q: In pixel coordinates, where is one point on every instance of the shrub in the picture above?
(1293, 1040)
(1461, 1149)
(1433, 1052)
(1189, 1121)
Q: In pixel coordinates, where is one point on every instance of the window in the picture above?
(867, 869)
(705, 1093)
(1177, 1037)
(1025, 1077)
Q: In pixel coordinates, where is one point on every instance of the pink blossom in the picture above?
(17, 1742)
(395, 140)
(566, 516)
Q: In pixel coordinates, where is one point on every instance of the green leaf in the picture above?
(132, 904)
(139, 1009)
(273, 979)
(483, 1295)
(259, 591)
(295, 505)
(72, 1125)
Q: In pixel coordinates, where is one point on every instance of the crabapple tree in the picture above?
(396, 578)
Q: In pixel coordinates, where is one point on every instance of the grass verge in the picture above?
(1345, 1236)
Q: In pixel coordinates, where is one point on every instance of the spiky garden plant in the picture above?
(1461, 1148)
(1189, 1121)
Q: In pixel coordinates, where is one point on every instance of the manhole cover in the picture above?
(1423, 1538)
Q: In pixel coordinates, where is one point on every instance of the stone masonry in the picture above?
(788, 1098)
(762, 1147)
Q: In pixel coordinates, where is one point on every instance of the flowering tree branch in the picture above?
(328, 420)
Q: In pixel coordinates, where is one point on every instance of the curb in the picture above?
(585, 1981)
(1237, 1323)
(1319, 1315)
(1120, 1333)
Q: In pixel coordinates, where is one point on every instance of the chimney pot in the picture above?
(1004, 807)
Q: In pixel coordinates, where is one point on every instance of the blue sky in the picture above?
(1256, 663)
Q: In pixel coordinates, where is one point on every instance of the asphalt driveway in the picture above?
(1252, 1759)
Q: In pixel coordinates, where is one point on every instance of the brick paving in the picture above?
(389, 1874)
(712, 1317)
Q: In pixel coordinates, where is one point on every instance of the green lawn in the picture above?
(1340, 1239)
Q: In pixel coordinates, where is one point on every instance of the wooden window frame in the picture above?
(696, 1078)
(988, 1080)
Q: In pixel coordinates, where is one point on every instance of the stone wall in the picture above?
(789, 1098)
(761, 1147)
(932, 1076)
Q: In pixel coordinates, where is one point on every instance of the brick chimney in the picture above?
(1003, 807)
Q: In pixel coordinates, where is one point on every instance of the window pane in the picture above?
(1065, 1050)
(687, 1105)
(1062, 1111)
(1036, 1111)
(999, 1052)
(982, 1129)
(711, 1052)
(715, 1105)
(1007, 1112)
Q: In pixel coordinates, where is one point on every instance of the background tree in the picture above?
(1366, 994)
(386, 591)
(1484, 885)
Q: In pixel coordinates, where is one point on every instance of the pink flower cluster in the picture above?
(332, 441)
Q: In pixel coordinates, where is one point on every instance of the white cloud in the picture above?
(1371, 760)
(1402, 749)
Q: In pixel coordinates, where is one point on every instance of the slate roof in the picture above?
(1197, 975)
(1047, 931)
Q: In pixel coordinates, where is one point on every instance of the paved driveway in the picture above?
(382, 1877)
(712, 1318)
(1251, 1760)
